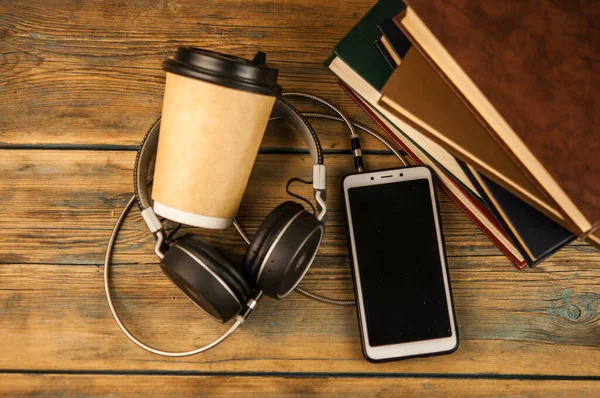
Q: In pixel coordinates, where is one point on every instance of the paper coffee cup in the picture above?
(215, 112)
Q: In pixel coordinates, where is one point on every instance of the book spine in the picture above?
(519, 264)
(497, 215)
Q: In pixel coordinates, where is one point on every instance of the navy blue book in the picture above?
(395, 42)
(536, 235)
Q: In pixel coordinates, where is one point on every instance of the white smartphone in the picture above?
(401, 281)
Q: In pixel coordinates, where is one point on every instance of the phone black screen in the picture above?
(399, 262)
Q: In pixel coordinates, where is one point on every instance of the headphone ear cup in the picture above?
(207, 278)
(273, 221)
(283, 249)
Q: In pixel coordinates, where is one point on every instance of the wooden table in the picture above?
(81, 81)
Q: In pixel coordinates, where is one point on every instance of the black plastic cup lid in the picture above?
(226, 70)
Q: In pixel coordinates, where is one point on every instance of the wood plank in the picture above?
(191, 386)
(85, 190)
(510, 322)
(90, 73)
(62, 206)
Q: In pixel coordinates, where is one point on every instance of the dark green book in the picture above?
(358, 50)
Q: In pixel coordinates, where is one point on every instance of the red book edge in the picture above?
(491, 218)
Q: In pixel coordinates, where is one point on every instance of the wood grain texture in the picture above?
(89, 72)
(509, 323)
(193, 386)
(86, 190)
(86, 75)
(64, 204)
(537, 62)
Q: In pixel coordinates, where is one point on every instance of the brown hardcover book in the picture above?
(417, 94)
(527, 70)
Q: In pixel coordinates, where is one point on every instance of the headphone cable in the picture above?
(240, 318)
(358, 164)
(109, 250)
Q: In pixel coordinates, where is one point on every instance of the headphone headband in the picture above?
(268, 239)
(281, 110)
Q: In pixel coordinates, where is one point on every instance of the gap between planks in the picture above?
(341, 375)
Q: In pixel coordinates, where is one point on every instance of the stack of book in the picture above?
(498, 99)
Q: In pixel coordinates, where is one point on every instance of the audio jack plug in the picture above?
(359, 163)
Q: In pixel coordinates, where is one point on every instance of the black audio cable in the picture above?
(359, 163)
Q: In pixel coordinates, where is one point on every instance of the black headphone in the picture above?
(278, 257)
